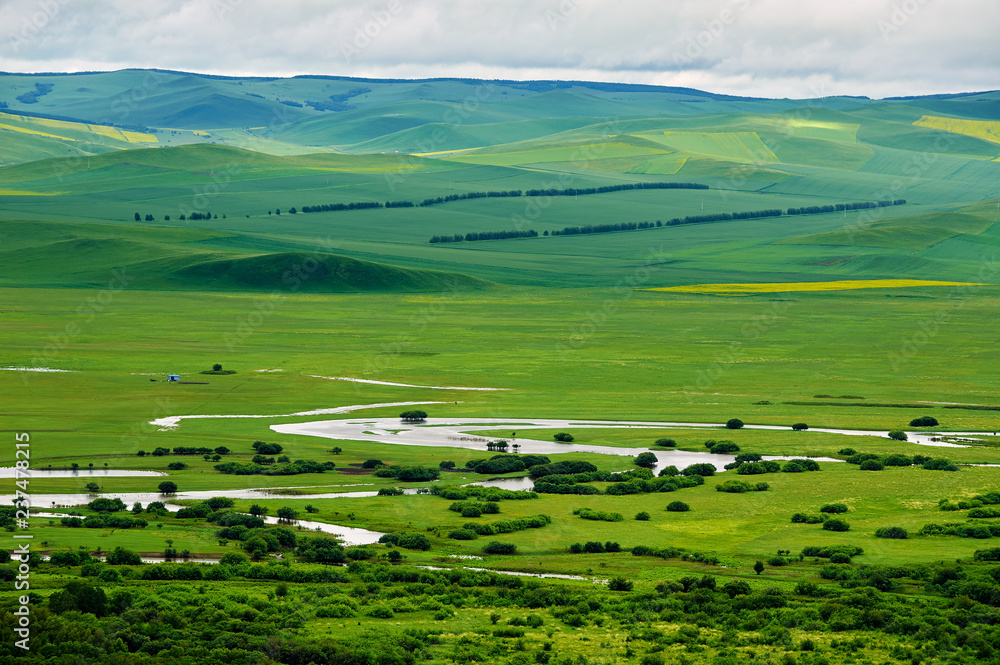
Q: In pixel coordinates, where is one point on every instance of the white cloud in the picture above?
(751, 47)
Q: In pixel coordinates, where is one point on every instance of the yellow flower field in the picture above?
(988, 130)
(784, 287)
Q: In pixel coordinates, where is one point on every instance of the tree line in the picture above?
(511, 193)
(676, 221)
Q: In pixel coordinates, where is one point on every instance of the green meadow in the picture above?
(124, 260)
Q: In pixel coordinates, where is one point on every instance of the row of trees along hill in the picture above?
(194, 216)
(511, 193)
(676, 221)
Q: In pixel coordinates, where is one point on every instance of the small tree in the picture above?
(798, 427)
(666, 443)
(287, 514)
(678, 507)
(734, 423)
(257, 511)
(216, 367)
(414, 416)
(897, 434)
(642, 517)
(564, 437)
(924, 421)
(336, 450)
(93, 488)
(311, 509)
(168, 487)
(758, 567)
(647, 460)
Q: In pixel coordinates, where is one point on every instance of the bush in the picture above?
(836, 525)
(446, 465)
(500, 548)
(666, 443)
(642, 517)
(792, 467)
(123, 557)
(647, 460)
(463, 534)
(847, 452)
(992, 554)
(734, 487)
(371, 463)
(699, 470)
(168, 487)
(414, 541)
(835, 508)
(177, 466)
(897, 434)
(924, 421)
(802, 518)
(564, 437)
(724, 448)
(891, 532)
(734, 423)
(798, 427)
(939, 465)
(598, 515)
(872, 465)
(413, 416)
(678, 507)
(620, 584)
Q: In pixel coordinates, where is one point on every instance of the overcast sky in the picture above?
(768, 48)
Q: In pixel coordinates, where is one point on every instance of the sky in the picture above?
(761, 48)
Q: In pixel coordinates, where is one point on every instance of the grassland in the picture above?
(616, 326)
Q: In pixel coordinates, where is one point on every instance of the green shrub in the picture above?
(724, 448)
(666, 443)
(642, 517)
(678, 507)
(500, 548)
(798, 427)
(647, 460)
(619, 584)
(834, 508)
(897, 434)
(891, 532)
(836, 525)
(734, 423)
(924, 421)
(699, 470)
(871, 465)
(564, 437)
(847, 452)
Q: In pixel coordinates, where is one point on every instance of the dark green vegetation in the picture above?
(121, 262)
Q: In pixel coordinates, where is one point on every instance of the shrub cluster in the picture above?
(598, 515)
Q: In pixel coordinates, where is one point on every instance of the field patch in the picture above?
(784, 287)
(988, 130)
(736, 146)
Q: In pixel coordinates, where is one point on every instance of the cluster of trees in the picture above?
(475, 508)
(598, 515)
(873, 462)
(482, 493)
(410, 541)
(990, 499)
(724, 619)
(185, 450)
(473, 530)
(740, 487)
(838, 207)
(966, 530)
(337, 207)
(485, 235)
(267, 467)
(583, 191)
(604, 228)
(470, 195)
(595, 547)
(506, 463)
(104, 522)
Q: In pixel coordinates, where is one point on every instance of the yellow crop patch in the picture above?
(25, 130)
(988, 130)
(784, 287)
(20, 192)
